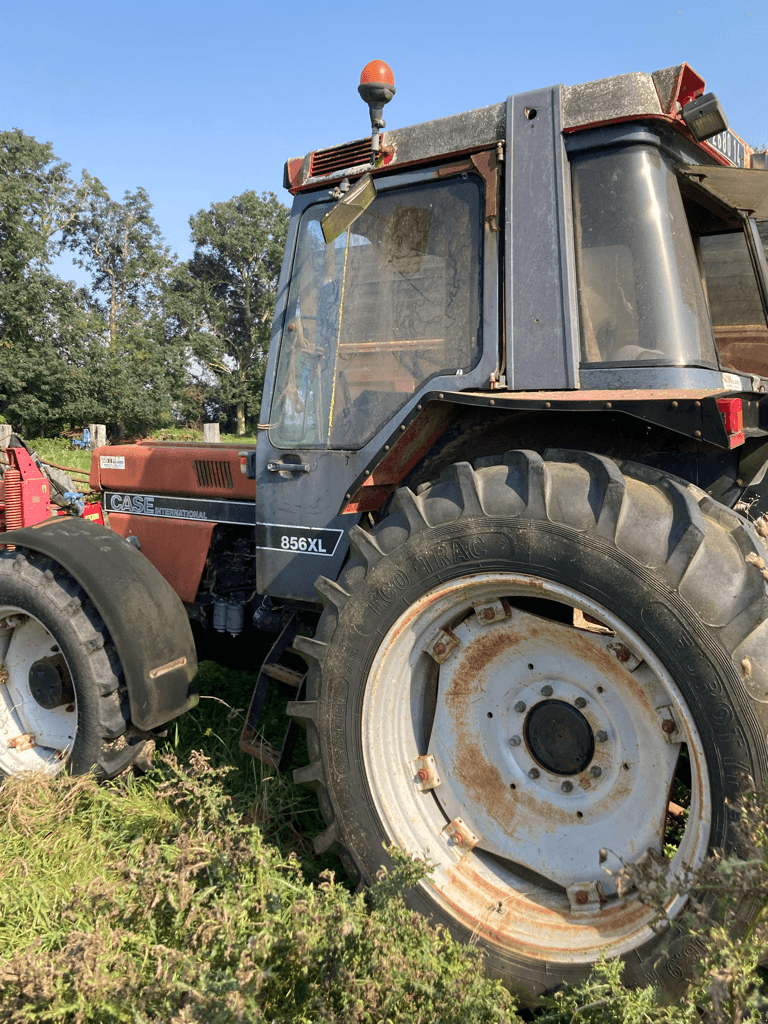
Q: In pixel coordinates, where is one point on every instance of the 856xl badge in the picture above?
(302, 540)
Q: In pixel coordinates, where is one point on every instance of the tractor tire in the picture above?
(514, 668)
(63, 701)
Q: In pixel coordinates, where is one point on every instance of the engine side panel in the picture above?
(161, 467)
(177, 549)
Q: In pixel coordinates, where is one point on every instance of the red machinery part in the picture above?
(732, 411)
(178, 554)
(14, 519)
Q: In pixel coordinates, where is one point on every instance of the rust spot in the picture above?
(582, 897)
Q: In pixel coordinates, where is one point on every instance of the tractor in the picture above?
(505, 517)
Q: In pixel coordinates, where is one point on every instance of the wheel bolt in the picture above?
(489, 613)
(601, 736)
(669, 725)
(515, 741)
(520, 707)
(546, 691)
(439, 649)
(533, 773)
(582, 897)
(423, 774)
(595, 771)
(580, 702)
(458, 838)
(567, 787)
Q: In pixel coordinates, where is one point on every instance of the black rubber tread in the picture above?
(106, 741)
(661, 534)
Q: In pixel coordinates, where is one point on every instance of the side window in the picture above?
(735, 307)
(371, 317)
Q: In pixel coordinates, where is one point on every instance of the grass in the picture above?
(192, 894)
(180, 897)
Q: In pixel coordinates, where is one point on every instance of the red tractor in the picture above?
(514, 418)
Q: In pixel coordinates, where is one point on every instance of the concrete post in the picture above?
(211, 434)
(98, 434)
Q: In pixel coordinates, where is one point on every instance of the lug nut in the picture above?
(595, 771)
(567, 787)
(533, 773)
(601, 736)
(515, 741)
(582, 897)
(423, 774)
(546, 691)
(580, 702)
(669, 725)
(520, 707)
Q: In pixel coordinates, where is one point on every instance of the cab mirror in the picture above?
(348, 209)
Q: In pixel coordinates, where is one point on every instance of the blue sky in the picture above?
(198, 102)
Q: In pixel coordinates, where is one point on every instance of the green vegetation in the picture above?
(192, 895)
(150, 341)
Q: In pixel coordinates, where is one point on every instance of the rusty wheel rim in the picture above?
(516, 749)
(33, 737)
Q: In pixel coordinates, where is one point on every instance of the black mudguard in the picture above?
(144, 616)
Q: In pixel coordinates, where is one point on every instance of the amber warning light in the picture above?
(377, 87)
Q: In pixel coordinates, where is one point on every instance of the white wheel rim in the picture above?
(33, 738)
(524, 824)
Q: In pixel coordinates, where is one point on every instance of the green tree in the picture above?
(137, 363)
(42, 319)
(224, 297)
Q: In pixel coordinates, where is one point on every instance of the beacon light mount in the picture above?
(377, 87)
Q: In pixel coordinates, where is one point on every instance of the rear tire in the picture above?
(451, 633)
(63, 700)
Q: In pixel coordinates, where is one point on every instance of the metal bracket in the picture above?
(425, 772)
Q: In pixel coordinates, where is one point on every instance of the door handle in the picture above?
(288, 467)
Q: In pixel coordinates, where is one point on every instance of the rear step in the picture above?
(250, 742)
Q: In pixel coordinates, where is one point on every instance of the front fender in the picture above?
(146, 620)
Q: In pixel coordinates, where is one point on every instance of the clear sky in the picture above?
(198, 101)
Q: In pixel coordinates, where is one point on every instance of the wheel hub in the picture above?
(559, 737)
(49, 684)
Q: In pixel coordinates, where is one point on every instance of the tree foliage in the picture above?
(224, 297)
(147, 342)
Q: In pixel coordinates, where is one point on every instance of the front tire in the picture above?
(63, 700)
(511, 673)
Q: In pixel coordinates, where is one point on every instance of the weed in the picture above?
(185, 914)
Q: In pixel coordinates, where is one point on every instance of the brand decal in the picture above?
(112, 461)
(207, 510)
(299, 540)
(730, 145)
(732, 383)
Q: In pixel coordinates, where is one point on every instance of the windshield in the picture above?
(641, 298)
(389, 304)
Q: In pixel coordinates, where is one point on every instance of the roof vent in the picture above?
(340, 158)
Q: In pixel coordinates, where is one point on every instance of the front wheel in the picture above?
(63, 700)
(518, 673)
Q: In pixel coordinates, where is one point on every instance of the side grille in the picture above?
(339, 158)
(213, 474)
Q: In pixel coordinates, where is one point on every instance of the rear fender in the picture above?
(144, 616)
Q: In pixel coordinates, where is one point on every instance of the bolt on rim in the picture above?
(550, 746)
